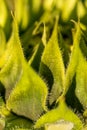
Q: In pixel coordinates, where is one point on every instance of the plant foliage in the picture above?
(43, 65)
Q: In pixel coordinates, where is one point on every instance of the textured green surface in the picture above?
(43, 65)
(62, 112)
(52, 59)
(24, 93)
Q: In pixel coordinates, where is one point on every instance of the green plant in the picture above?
(43, 66)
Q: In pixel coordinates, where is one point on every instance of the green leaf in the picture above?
(35, 59)
(78, 66)
(81, 75)
(85, 128)
(3, 13)
(26, 92)
(2, 121)
(64, 49)
(2, 47)
(28, 101)
(5, 17)
(9, 121)
(18, 123)
(73, 63)
(2, 42)
(44, 36)
(22, 13)
(52, 67)
(11, 62)
(61, 113)
(27, 12)
(68, 9)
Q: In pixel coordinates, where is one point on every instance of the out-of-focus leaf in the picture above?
(27, 12)
(3, 13)
(48, 4)
(67, 10)
(52, 65)
(59, 4)
(81, 11)
(22, 12)
(10, 4)
(85, 128)
(46, 17)
(44, 36)
(5, 18)
(2, 42)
